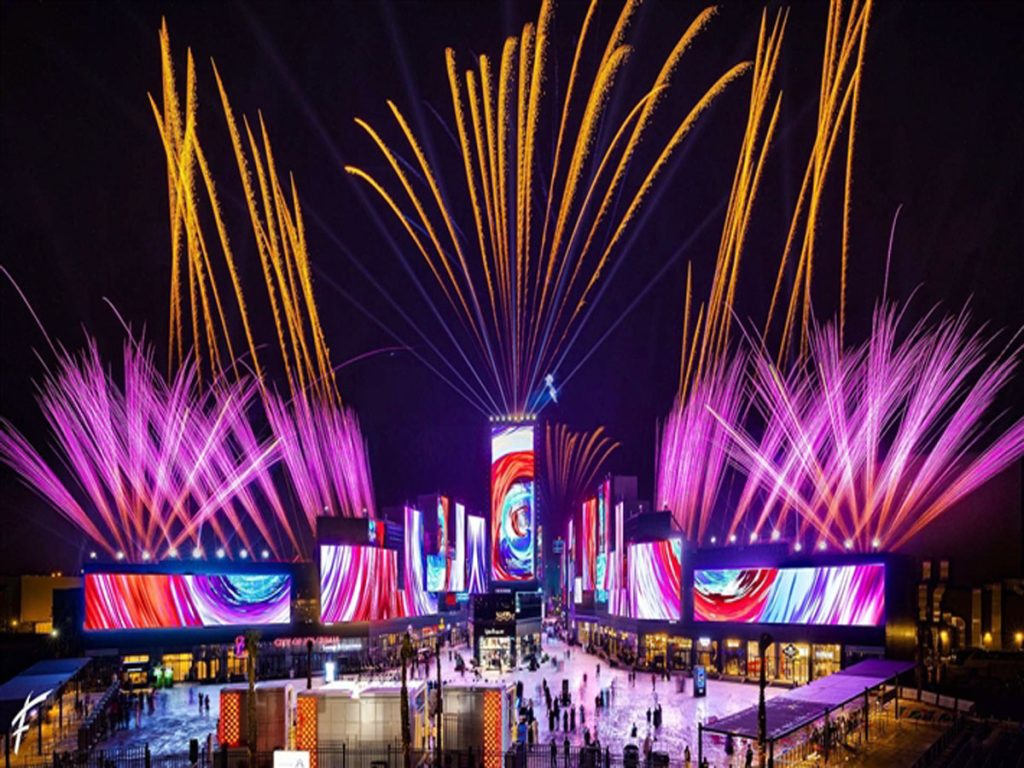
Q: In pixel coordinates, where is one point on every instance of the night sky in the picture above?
(84, 212)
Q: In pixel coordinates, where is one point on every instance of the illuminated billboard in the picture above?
(844, 595)
(417, 600)
(186, 600)
(457, 572)
(358, 584)
(512, 504)
(476, 536)
(656, 580)
(588, 544)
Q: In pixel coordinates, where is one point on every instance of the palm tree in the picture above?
(252, 644)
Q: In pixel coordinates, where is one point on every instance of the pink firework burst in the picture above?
(864, 447)
(152, 462)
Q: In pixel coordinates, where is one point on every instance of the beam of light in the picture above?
(151, 461)
(518, 299)
(867, 446)
(573, 461)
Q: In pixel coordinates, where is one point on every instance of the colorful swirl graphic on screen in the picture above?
(512, 528)
(656, 580)
(361, 583)
(417, 601)
(358, 584)
(846, 595)
(588, 542)
(178, 601)
(476, 540)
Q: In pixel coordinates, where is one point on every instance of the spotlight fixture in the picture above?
(145, 555)
(732, 538)
(848, 544)
(714, 539)
(753, 538)
(243, 554)
(220, 553)
(92, 555)
(119, 555)
(265, 554)
(197, 553)
(775, 535)
(172, 552)
(875, 543)
(821, 545)
(797, 547)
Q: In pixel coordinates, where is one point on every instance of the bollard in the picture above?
(147, 757)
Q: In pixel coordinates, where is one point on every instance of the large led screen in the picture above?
(656, 580)
(512, 512)
(588, 544)
(185, 600)
(476, 536)
(457, 572)
(417, 600)
(358, 584)
(845, 595)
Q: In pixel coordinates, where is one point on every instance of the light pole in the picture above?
(762, 712)
(406, 654)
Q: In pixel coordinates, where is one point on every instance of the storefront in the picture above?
(654, 651)
(706, 654)
(734, 658)
(826, 659)
(495, 650)
(680, 652)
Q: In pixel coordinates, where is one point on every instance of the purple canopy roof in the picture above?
(801, 706)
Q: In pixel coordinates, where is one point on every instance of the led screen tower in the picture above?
(513, 512)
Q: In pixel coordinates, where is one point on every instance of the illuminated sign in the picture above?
(180, 600)
(512, 504)
(843, 595)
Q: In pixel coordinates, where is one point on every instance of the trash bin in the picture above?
(631, 756)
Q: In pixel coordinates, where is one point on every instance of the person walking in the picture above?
(565, 751)
(554, 753)
(686, 756)
(749, 759)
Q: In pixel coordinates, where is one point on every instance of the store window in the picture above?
(794, 662)
(680, 650)
(734, 658)
(754, 661)
(495, 653)
(655, 651)
(180, 665)
(707, 653)
(826, 660)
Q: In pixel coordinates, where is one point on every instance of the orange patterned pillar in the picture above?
(492, 729)
(306, 728)
(229, 727)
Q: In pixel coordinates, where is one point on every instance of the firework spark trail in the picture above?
(842, 67)
(319, 439)
(574, 461)
(153, 461)
(692, 454)
(520, 297)
(866, 447)
(323, 450)
(693, 447)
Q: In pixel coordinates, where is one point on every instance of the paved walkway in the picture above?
(177, 718)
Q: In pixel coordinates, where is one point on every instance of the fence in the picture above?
(387, 756)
